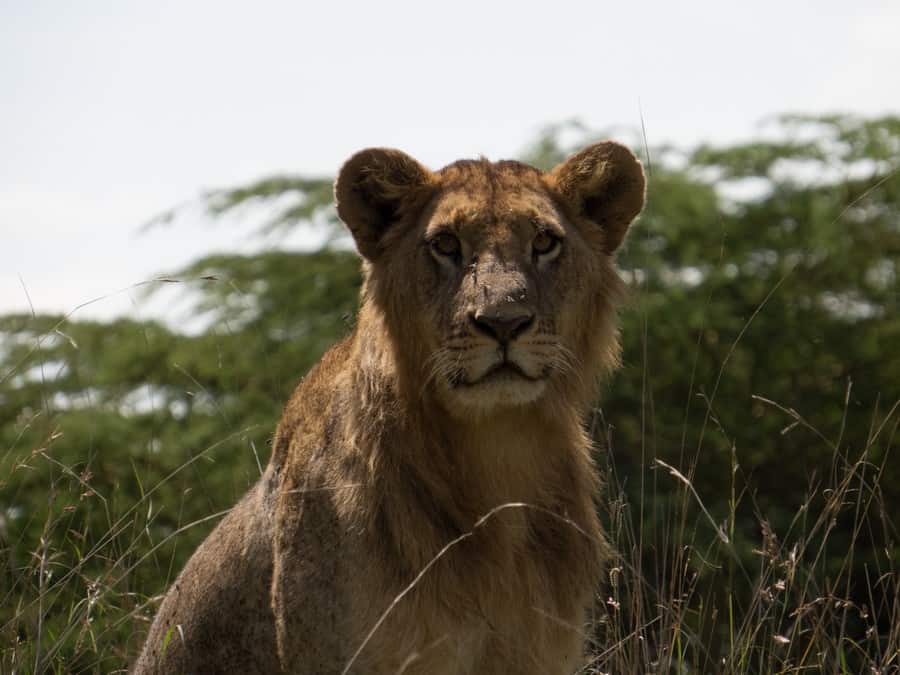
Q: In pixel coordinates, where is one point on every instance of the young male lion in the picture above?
(429, 503)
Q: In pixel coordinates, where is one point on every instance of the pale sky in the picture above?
(111, 112)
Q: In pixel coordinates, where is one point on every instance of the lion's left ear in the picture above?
(376, 188)
(605, 184)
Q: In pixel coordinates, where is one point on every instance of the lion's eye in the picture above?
(544, 243)
(446, 245)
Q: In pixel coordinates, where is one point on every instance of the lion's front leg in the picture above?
(308, 600)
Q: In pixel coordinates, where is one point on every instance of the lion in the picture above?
(429, 505)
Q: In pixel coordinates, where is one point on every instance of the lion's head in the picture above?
(495, 280)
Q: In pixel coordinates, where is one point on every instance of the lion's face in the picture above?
(499, 267)
(496, 278)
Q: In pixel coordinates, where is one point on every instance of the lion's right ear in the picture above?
(374, 189)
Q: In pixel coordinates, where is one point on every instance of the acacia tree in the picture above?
(759, 381)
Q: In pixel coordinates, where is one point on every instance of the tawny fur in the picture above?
(426, 510)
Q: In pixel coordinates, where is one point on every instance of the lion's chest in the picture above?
(486, 602)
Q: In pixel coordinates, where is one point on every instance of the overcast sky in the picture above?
(113, 111)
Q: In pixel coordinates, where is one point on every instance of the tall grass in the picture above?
(681, 596)
(78, 602)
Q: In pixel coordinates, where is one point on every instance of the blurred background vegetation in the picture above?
(746, 441)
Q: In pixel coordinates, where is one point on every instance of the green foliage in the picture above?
(747, 438)
(307, 200)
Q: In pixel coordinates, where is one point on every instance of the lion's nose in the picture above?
(503, 327)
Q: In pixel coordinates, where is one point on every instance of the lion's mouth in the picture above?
(502, 371)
